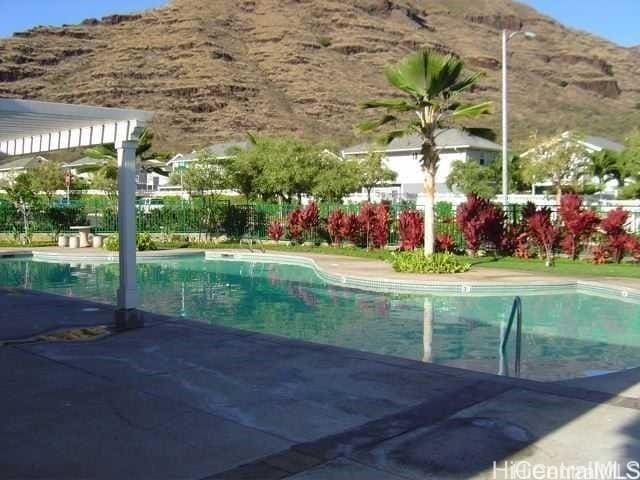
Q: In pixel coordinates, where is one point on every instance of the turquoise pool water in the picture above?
(565, 335)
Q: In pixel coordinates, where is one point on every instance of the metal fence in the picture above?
(204, 219)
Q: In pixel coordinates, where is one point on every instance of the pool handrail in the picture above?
(516, 313)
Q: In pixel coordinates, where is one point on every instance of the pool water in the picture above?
(566, 335)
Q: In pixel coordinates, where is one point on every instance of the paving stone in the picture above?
(518, 425)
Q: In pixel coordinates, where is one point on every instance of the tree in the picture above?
(204, 176)
(558, 159)
(374, 172)
(337, 178)
(471, 177)
(605, 165)
(105, 172)
(48, 178)
(432, 84)
(22, 194)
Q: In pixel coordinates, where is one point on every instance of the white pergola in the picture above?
(29, 127)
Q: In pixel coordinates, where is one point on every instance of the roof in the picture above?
(603, 143)
(28, 127)
(450, 138)
(81, 162)
(23, 163)
(219, 150)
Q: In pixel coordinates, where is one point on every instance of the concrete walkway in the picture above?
(183, 400)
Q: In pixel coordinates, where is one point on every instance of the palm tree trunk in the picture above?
(429, 211)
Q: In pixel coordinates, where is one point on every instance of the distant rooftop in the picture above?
(450, 138)
(219, 150)
(604, 143)
(23, 163)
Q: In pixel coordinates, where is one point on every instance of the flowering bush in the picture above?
(444, 242)
(617, 238)
(579, 224)
(543, 232)
(275, 231)
(480, 221)
(410, 229)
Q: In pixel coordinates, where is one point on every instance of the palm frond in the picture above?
(102, 152)
(388, 137)
(464, 84)
(470, 110)
(397, 104)
(253, 139)
(486, 133)
(369, 125)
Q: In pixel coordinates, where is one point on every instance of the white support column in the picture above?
(126, 315)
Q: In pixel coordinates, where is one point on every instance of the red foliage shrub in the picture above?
(275, 231)
(374, 224)
(294, 225)
(335, 226)
(617, 239)
(633, 245)
(444, 242)
(380, 232)
(350, 227)
(410, 229)
(515, 240)
(599, 255)
(480, 221)
(310, 217)
(579, 224)
(543, 232)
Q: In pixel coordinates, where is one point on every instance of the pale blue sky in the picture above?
(616, 20)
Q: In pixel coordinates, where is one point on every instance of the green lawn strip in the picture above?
(563, 266)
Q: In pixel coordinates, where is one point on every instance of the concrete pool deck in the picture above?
(179, 399)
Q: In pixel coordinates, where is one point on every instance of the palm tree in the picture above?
(432, 83)
(605, 165)
(106, 171)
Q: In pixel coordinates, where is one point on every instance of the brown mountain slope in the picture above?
(212, 69)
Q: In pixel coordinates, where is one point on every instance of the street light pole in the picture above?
(505, 160)
(506, 36)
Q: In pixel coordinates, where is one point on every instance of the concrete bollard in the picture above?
(63, 241)
(74, 242)
(96, 241)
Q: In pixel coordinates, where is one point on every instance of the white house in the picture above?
(146, 178)
(10, 168)
(591, 144)
(402, 156)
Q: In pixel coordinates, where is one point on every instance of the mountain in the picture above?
(213, 69)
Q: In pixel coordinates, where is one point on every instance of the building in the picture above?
(150, 175)
(591, 144)
(402, 156)
(11, 168)
(218, 150)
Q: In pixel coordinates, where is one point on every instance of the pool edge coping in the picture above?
(462, 287)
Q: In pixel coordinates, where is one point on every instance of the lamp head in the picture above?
(529, 35)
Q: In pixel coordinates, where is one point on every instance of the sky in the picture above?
(616, 20)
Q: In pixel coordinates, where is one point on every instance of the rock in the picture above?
(605, 88)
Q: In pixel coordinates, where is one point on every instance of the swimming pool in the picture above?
(567, 334)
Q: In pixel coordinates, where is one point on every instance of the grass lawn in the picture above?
(563, 266)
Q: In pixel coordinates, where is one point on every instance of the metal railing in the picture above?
(516, 313)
